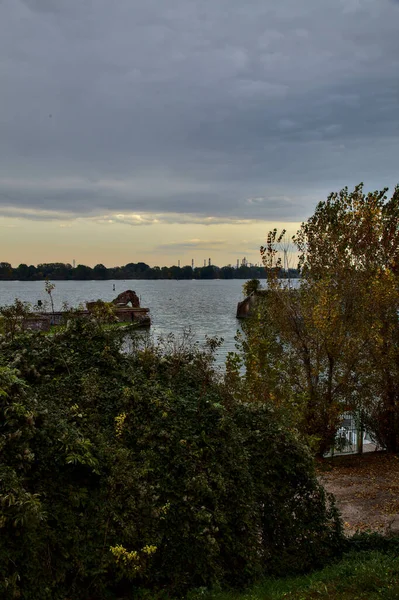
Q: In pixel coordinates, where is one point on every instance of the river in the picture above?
(207, 307)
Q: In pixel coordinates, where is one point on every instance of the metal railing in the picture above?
(352, 438)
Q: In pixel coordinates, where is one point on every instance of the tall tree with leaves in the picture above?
(331, 345)
(353, 237)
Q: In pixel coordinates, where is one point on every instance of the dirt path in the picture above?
(366, 488)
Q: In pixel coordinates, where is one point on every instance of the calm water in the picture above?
(207, 307)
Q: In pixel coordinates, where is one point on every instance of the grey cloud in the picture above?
(35, 214)
(195, 106)
(130, 219)
(192, 244)
(172, 219)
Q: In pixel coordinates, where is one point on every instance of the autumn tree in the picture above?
(353, 238)
(331, 345)
(301, 351)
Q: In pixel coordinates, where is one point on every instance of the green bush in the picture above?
(122, 473)
(372, 541)
(252, 285)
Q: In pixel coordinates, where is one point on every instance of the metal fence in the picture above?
(351, 438)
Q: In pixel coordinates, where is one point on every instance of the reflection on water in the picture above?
(208, 308)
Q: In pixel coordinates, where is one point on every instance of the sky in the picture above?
(166, 130)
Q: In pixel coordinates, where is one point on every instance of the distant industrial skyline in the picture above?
(243, 262)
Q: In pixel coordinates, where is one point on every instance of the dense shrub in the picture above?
(126, 472)
(371, 541)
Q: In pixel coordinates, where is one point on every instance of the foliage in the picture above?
(50, 287)
(359, 575)
(353, 238)
(104, 311)
(301, 349)
(351, 231)
(12, 317)
(270, 254)
(364, 541)
(252, 285)
(331, 345)
(122, 473)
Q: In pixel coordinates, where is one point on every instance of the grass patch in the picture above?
(367, 575)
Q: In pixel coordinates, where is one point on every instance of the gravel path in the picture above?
(366, 488)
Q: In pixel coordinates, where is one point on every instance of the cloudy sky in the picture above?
(159, 130)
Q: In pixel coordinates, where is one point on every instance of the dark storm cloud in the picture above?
(207, 108)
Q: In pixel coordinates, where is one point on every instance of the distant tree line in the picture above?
(140, 270)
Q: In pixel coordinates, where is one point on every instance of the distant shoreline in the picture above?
(142, 279)
(131, 271)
